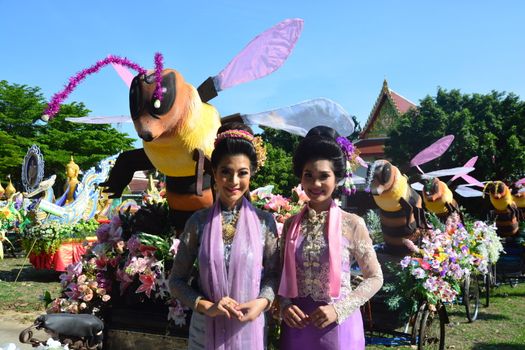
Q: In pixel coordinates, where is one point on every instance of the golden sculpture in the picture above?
(72, 171)
(10, 189)
(2, 191)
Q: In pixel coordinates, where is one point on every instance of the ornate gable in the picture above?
(387, 108)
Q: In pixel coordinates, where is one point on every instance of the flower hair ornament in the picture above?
(350, 153)
(257, 142)
(58, 98)
(370, 176)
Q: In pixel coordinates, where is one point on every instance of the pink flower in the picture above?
(148, 284)
(106, 297)
(175, 246)
(302, 197)
(87, 297)
(81, 279)
(277, 203)
(147, 250)
(101, 263)
(124, 279)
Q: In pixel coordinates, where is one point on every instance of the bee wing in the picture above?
(520, 182)
(124, 73)
(418, 186)
(300, 118)
(469, 163)
(466, 191)
(433, 151)
(101, 119)
(448, 172)
(262, 56)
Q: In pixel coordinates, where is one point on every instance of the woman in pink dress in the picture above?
(319, 308)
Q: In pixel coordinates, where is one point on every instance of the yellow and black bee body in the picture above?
(438, 198)
(401, 212)
(506, 213)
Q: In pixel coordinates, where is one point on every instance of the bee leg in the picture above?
(515, 212)
(451, 207)
(409, 211)
(423, 219)
(198, 157)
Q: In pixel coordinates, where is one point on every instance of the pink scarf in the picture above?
(241, 281)
(288, 286)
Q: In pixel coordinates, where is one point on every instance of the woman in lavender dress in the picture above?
(318, 305)
(235, 248)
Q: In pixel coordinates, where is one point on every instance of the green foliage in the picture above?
(373, 223)
(277, 171)
(488, 126)
(21, 105)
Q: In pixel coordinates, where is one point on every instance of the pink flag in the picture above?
(124, 73)
(262, 56)
(433, 151)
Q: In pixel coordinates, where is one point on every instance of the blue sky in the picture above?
(346, 50)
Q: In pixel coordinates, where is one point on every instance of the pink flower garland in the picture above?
(58, 98)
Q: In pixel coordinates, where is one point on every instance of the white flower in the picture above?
(9, 346)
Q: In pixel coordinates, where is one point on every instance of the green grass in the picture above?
(501, 326)
(23, 296)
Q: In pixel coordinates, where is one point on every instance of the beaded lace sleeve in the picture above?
(283, 301)
(270, 280)
(183, 265)
(362, 250)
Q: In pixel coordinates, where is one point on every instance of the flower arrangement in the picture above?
(435, 270)
(50, 344)
(281, 207)
(12, 221)
(114, 266)
(47, 237)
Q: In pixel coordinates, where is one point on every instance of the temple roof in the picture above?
(400, 104)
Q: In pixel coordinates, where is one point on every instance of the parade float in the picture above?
(54, 232)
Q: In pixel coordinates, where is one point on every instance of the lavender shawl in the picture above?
(241, 281)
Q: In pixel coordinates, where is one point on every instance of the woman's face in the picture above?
(232, 178)
(319, 182)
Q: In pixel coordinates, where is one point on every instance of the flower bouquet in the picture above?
(114, 268)
(281, 207)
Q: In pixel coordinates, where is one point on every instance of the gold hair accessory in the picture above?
(257, 142)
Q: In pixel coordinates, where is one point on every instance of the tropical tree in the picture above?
(488, 126)
(21, 106)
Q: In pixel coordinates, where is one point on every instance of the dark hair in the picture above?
(320, 143)
(233, 146)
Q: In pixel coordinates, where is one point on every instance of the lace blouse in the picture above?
(185, 265)
(312, 262)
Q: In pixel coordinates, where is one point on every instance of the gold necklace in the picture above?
(228, 228)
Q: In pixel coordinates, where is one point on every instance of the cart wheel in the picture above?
(470, 291)
(416, 322)
(432, 330)
(486, 291)
(489, 281)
